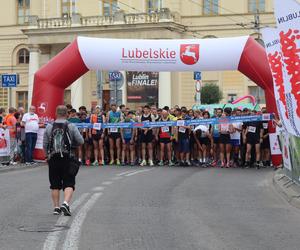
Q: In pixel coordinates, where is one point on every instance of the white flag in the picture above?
(274, 55)
(287, 15)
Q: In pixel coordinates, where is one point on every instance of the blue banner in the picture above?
(211, 121)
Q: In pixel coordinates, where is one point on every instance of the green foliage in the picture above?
(211, 94)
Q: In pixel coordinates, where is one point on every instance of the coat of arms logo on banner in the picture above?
(189, 53)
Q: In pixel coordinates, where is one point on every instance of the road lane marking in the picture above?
(127, 172)
(107, 183)
(53, 237)
(97, 189)
(116, 178)
(139, 171)
(73, 235)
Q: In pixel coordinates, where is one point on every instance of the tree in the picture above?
(211, 94)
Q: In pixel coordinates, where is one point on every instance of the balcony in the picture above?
(76, 20)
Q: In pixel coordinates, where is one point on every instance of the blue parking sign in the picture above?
(197, 75)
(9, 80)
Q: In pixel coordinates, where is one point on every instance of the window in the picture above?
(254, 5)
(258, 93)
(22, 99)
(210, 7)
(231, 97)
(109, 7)
(23, 56)
(23, 11)
(68, 7)
(153, 5)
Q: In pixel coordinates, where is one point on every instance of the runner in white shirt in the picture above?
(31, 122)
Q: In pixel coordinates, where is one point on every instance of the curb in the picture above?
(289, 190)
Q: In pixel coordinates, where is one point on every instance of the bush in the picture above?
(211, 94)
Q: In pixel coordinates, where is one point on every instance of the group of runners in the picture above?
(224, 145)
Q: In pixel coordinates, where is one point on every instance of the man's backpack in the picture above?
(60, 141)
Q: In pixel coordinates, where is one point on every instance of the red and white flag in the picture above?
(287, 15)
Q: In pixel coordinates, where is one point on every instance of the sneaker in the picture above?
(32, 163)
(95, 163)
(123, 163)
(161, 163)
(101, 163)
(247, 164)
(118, 162)
(57, 211)
(223, 164)
(188, 163)
(111, 162)
(143, 163)
(171, 164)
(65, 209)
(214, 163)
(132, 164)
(14, 163)
(151, 163)
(228, 165)
(87, 163)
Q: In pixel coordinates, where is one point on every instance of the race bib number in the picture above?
(182, 130)
(97, 126)
(252, 129)
(265, 125)
(165, 129)
(113, 130)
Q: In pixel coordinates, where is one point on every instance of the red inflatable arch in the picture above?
(238, 53)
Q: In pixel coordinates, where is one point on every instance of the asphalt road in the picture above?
(149, 208)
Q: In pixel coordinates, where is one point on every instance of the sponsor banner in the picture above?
(287, 15)
(4, 142)
(211, 121)
(40, 138)
(275, 58)
(274, 144)
(162, 55)
(286, 153)
(142, 86)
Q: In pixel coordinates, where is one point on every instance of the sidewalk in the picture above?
(287, 188)
(19, 166)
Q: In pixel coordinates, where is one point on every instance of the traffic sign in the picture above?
(10, 80)
(197, 75)
(115, 76)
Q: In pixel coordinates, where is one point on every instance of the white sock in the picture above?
(66, 203)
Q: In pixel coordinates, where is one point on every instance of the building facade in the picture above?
(34, 31)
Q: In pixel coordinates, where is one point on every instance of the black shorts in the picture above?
(115, 136)
(165, 140)
(216, 140)
(266, 143)
(59, 175)
(252, 139)
(204, 141)
(147, 138)
(97, 137)
(225, 139)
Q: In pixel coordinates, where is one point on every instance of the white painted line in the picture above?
(97, 189)
(127, 172)
(107, 183)
(117, 178)
(53, 237)
(139, 171)
(73, 235)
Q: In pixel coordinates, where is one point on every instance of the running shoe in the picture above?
(132, 164)
(143, 163)
(223, 164)
(214, 163)
(101, 163)
(118, 162)
(56, 211)
(161, 163)
(111, 162)
(151, 163)
(228, 165)
(87, 163)
(171, 164)
(188, 163)
(65, 209)
(95, 163)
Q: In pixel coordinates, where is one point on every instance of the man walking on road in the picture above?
(60, 142)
